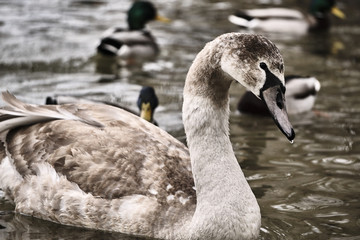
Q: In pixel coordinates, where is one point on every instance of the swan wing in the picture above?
(106, 151)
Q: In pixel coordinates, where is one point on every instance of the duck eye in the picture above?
(281, 68)
(263, 65)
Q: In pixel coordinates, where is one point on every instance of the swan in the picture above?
(285, 20)
(301, 92)
(133, 44)
(100, 167)
(147, 103)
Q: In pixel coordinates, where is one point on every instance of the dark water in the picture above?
(307, 190)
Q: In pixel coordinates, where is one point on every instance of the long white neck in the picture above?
(226, 206)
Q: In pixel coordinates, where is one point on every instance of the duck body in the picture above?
(100, 167)
(300, 97)
(284, 20)
(129, 46)
(279, 20)
(133, 44)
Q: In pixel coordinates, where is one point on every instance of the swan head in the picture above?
(256, 63)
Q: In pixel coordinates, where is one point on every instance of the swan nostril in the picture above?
(279, 100)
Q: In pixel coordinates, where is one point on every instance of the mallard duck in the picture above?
(134, 44)
(288, 20)
(300, 97)
(147, 102)
(100, 167)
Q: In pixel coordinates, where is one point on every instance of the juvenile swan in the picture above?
(99, 167)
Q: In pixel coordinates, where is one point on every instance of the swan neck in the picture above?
(221, 187)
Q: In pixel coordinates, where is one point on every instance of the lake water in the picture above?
(306, 190)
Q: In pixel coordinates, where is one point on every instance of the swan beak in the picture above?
(146, 112)
(162, 19)
(275, 101)
(338, 13)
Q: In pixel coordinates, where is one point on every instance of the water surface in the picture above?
(306, 190)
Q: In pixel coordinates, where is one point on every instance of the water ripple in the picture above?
(333, 184)
(309, 202)
(341, 165)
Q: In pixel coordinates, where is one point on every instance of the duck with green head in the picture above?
(133, 44)
(286, 20)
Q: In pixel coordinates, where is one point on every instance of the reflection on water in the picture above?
(307, 190)
(15, 226)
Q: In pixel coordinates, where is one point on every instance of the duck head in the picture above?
(320, 8)
(256, 63)
(147, 102)
(142, 12)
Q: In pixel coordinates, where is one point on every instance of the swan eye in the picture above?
(263, 65)
(281, 68)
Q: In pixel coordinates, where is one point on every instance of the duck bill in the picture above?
(337, 12)
(275, 102)
(146, 112)
(162, 19)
